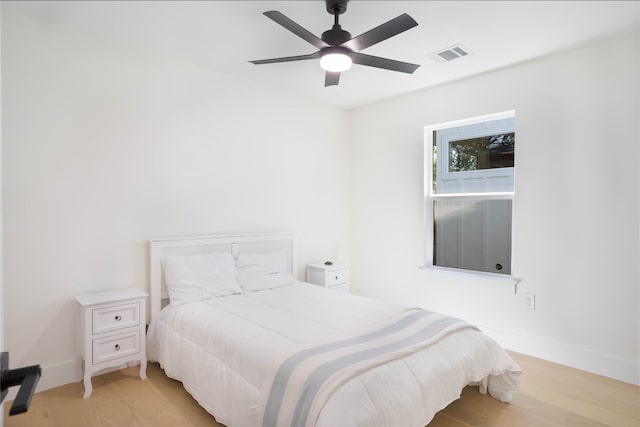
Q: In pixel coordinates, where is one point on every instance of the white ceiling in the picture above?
(225, 35)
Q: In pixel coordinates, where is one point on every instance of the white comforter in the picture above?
(226, 350)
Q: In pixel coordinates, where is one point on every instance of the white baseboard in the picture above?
(597, 363)
(54, 376)
(60, 374)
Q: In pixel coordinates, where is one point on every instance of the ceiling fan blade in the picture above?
(382, 32)
(295, 28)
(387, 64)
(286, 59)
(331, 79)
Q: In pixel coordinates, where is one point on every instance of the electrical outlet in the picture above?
(530, 301)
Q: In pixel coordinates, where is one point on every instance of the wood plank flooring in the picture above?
(551, 395)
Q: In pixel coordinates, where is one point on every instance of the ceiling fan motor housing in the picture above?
(336, 36)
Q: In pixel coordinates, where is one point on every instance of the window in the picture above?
(469, 191)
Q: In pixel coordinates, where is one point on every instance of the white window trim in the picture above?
(430, 198)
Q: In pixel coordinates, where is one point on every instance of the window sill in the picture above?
(494, 278)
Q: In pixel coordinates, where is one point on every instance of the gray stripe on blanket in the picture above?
(288, 366)
(323, 372)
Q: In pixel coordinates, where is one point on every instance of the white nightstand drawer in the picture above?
(336, 277)
(333, 276)
(117, 317)
(117, 346)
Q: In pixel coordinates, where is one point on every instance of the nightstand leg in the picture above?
(143, 369)
(88, 388)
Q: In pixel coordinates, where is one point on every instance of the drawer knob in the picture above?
(118, 318)
(336, 277)
(117, 347)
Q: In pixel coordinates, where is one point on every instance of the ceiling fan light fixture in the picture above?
(335, 62)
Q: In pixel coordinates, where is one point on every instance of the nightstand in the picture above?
(330, 276)
(111, 331)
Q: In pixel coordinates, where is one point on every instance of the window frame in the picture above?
(430, 198)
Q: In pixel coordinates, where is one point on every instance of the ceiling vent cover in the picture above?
(450, 53)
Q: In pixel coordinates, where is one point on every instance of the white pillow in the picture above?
(198, 277)
(263, 270)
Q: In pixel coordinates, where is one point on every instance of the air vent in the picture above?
(450, 53)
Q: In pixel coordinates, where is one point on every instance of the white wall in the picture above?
(105, 147)
(576, 207)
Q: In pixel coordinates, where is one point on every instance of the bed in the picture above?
(254, 346)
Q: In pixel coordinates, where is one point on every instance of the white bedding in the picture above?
(225, 351)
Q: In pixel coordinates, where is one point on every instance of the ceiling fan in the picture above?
(338, 50)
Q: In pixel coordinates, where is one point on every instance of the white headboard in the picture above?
(234, 244)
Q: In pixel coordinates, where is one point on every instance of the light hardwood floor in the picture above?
(551, 395)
